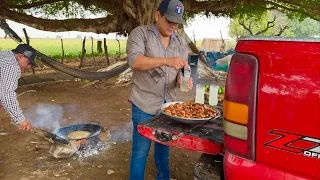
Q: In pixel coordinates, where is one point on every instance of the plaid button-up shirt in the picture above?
(10, 73)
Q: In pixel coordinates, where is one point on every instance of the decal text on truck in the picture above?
(295, 143)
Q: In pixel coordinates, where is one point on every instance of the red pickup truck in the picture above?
(271, 110)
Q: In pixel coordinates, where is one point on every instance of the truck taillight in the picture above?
(240, 105)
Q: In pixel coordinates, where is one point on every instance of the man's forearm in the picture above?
(145, 63)
(11, 105)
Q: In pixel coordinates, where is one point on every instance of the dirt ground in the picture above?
(24, 155)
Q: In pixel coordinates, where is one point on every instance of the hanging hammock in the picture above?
(65, 69)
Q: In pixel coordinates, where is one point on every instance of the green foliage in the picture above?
(306, 28)
(256, 23)
(247, 10)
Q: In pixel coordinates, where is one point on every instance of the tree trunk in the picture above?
(62, 53)
(92, 46)
(99, 47)
(83, 52)
(106, 51)
(119, 55)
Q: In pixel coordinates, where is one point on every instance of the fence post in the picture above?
(119, 48)
(106, 50)
(99, 47)
(92, 46)
(62, 55)
(28, 42)
(83, 52)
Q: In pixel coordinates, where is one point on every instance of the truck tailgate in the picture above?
(288, 108)
(207, 138)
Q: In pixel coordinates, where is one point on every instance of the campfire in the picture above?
(78, 139)
(63, 148)
(81, 141)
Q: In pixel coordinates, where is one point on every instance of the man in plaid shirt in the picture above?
(11, 64)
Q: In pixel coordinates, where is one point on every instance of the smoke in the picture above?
(121, 134)
(51, 117)
(75, 115)
(45, 116)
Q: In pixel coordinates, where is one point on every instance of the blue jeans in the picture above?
(140, 150)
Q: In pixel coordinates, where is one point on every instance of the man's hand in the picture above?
(25, 126)
(189, 83)
(175, 62)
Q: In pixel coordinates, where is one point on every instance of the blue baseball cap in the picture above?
(172, 10)
(27, 51)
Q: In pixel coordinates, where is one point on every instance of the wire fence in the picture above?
(75, 52)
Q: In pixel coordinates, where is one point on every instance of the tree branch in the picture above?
(245, 27)
(31, 5)
(128, 8)
(282, 30)
(108, 5)
(269, 25)
(98, 25)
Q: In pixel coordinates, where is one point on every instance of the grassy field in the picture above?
(72, 47)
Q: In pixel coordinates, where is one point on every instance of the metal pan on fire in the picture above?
(92, 130)
(177, 111)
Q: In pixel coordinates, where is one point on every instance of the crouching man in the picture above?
(12, 62)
